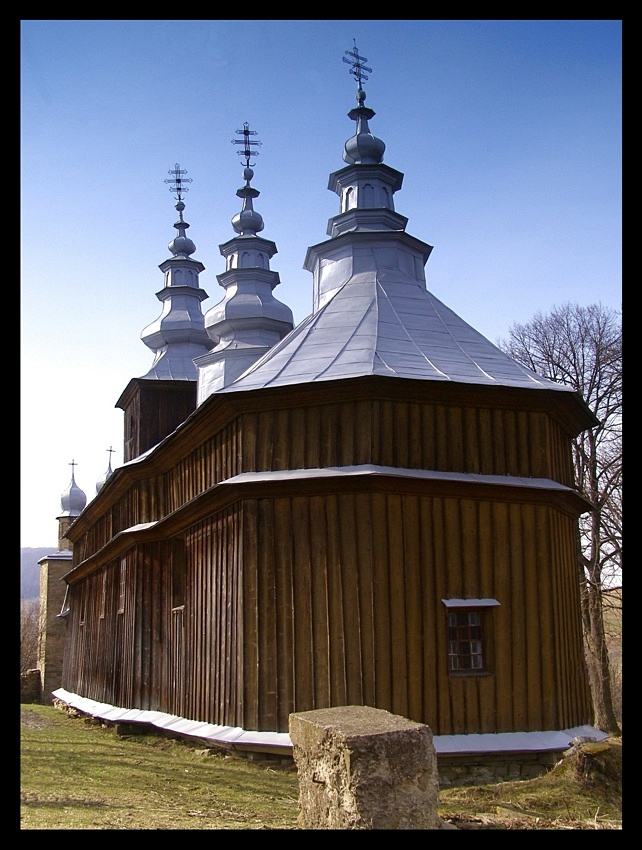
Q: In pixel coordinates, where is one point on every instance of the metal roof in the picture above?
(384, 322)
(372, 313)
(505, 742)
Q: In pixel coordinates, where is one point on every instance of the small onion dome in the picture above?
(248, 221)
(101, 482)
(181, 244)
(73, 500)
(363, 148)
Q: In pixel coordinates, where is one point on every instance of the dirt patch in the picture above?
(31, 720)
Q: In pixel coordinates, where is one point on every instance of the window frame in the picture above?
(483, 608)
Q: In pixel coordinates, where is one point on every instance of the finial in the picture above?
(110, 451)
(72, 464)
(357, 69)
(182, 245)
(178, 181)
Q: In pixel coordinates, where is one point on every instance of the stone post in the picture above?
(364, 768)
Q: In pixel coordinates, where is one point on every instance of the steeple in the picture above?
(178, 335)
(366, 186)
(372, 312)
(249, 320)
(101, 482)
(159, 401)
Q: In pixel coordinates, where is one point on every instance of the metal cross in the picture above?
(178, 181)
(356, 62)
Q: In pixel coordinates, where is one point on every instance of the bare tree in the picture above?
(29, 633)
(582, 347)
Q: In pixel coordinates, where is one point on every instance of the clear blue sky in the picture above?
(508, 134)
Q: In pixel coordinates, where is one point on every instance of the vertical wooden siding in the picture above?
(349, 610)
(386, 432)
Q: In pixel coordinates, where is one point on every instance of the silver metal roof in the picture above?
(73, 499)
(384, 322)
(373, 314)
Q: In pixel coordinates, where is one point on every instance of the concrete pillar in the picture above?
(364, 768)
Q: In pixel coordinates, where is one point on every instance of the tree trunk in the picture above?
(597, 658)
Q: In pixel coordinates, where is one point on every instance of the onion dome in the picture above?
(73, 500)
(181, 245)
(101, 482)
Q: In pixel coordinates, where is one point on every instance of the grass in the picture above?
(75, 775)
(583, 791)
(81, 775)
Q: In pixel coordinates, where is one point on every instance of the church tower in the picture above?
(249, 320)
(51, 637)
(156, 403)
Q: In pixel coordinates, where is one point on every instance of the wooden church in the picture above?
(373, 507)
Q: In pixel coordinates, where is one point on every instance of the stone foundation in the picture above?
(30, 686)
(484, 769)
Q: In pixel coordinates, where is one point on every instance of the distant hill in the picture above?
(30, 571)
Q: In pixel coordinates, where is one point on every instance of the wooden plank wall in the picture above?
(346, 598)
(301, 602)
(386, 432)
(336, 600)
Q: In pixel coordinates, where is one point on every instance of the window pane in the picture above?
(464, 633)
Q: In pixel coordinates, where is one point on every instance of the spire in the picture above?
(178, 334)
(101, 482)
(181, 245)
(73, 500)
(363, 148)
(249, 320)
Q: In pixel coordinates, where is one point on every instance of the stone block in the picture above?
(364, 768)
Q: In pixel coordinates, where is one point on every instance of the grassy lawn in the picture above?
(80, 776)
(77, 774)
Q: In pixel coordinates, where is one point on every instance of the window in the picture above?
(469, 625)
(465, 641)
(122, 586)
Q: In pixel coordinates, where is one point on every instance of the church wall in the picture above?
(296, 602)
(347, 592)
(412, 435)
(356, 428)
